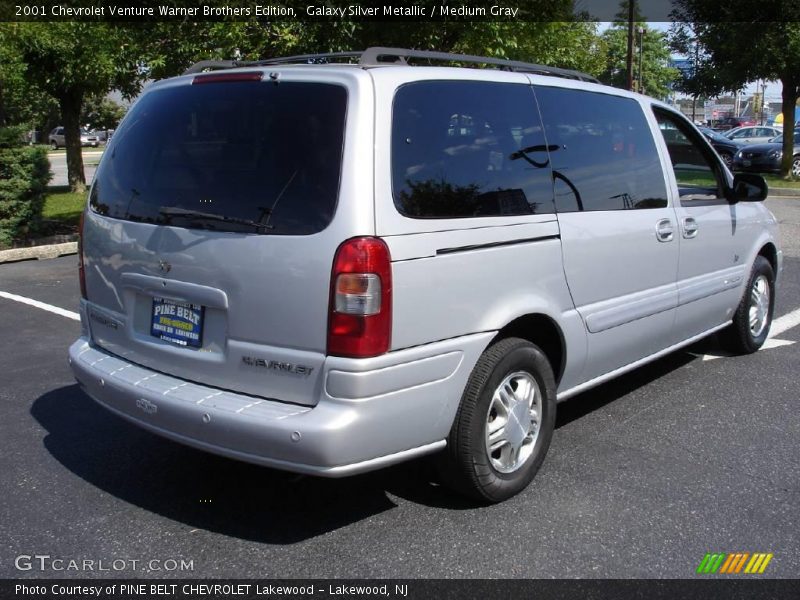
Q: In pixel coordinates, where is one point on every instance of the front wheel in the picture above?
(796, 166)
(504, 423)
(727, 159)
(753, 317)
(54, 145)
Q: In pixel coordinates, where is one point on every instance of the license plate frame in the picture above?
(179, 323)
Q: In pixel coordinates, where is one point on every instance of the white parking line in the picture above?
(785, 322)
(48, 307)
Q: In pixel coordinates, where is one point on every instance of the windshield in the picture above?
(778, 139)
(243, 156)
(713, 135)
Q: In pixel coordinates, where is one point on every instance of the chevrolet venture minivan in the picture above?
(329, 264)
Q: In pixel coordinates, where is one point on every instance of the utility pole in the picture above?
(641, 60)
(629, 63)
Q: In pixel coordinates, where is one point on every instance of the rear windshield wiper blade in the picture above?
(174, 211)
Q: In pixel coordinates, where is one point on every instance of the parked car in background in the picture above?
(56, 138)
(730, 122)
(766, 158)
(725, 147)
(758, 134)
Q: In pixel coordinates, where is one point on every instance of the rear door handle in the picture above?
(664, 230)
(690, 228)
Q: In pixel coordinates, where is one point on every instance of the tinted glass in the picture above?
(696, 170)
(259, 157)
(602, 152)
(468, 149)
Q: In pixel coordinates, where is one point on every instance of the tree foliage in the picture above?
(100, 112)
(655, 76)
(24, 173)
(741, 52)
(70, 61)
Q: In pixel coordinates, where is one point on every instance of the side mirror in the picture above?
(748, 187)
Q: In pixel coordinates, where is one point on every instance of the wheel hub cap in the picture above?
(759, 306)
(512, 422)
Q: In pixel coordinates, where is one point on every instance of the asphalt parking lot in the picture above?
(689, 455)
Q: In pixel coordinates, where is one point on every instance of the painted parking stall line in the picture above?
(785, 323)
(44, 306)
(779, 326)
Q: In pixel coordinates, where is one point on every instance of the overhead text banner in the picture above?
(437, 10)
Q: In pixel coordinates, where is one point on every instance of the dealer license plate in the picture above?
(177, 322)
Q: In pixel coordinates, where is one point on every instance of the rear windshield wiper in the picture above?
(174, 211)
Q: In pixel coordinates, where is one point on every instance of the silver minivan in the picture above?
(334, 263)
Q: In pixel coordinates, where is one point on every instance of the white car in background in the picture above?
(752, 134)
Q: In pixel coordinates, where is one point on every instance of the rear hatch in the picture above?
(213, 223)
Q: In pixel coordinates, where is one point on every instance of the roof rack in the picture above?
(380, 56)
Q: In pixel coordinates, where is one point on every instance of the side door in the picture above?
(619, 234)
(715, 234)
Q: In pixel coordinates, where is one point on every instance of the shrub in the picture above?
(24, 173)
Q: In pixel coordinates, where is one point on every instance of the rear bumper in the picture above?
(370, 414)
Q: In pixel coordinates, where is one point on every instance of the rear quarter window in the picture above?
(263, 157)
(468, 149)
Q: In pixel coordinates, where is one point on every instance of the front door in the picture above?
(713, 232)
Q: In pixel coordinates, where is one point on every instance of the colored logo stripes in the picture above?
(729, 563)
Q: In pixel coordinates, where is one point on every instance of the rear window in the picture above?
(248, 157)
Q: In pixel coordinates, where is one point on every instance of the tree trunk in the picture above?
(70, 105)
(788, 103)
(2, 108)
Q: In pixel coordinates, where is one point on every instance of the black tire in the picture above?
(54, 145)
(727, 158)
(739, 337)
(465, 465)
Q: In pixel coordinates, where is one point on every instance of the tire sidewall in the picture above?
(761, 266)
(523, 357)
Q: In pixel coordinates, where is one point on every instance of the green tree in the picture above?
(100, 112)
(651, 71)
(73, 60)
(21, 102)
(741, 52)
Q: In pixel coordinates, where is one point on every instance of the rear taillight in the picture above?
(360, 319)
(81, 271)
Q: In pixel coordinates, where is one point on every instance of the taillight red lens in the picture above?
(223, 77)
(81, 271)
(360, 309)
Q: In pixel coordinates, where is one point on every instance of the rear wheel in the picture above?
(753, 317)
(796, 166)
(504, 424)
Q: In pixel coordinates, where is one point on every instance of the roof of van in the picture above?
(385, 57)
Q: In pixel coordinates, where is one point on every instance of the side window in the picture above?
(468, 149)
(602, 152)
(696, 170)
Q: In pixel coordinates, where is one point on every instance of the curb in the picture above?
(40, 252)
(785, 192)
